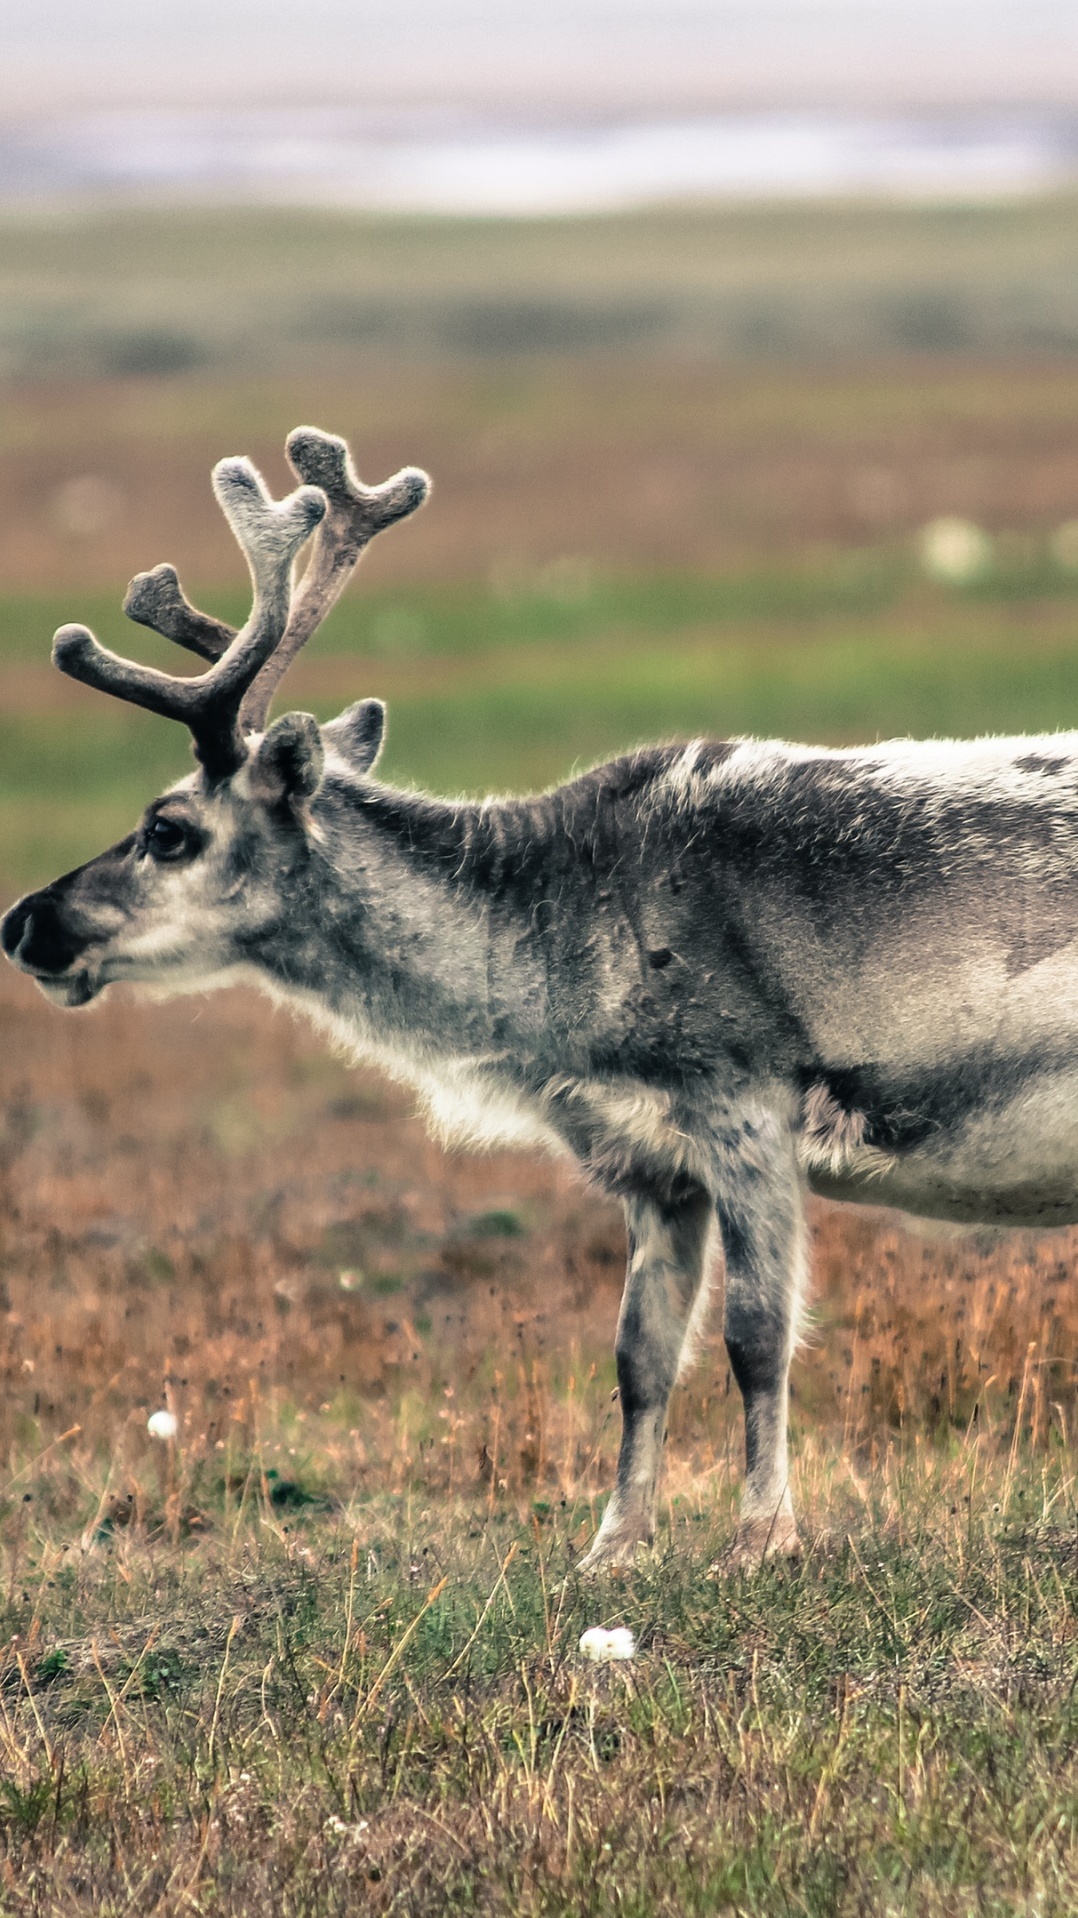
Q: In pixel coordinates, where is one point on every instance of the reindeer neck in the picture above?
(427, 918)
(510, 929)
(492, 853)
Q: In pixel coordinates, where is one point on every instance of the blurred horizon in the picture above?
(470, 161)
(529, 109)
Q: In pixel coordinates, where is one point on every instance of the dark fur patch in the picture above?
(1043, 763)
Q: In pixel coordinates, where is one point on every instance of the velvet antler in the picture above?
(231, 700)
(355, 513)
(270, 533)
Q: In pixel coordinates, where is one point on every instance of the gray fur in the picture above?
(717, 976)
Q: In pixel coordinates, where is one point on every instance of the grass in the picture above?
(136, 292)
(385, 1710)
(656, 465)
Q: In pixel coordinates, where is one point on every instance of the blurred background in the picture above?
(741, 340)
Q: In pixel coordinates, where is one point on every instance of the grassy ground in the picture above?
(650, 464)
(382, 1708)
(152, 291)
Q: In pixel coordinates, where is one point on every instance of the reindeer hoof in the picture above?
(613, 1558)
(755, 1541)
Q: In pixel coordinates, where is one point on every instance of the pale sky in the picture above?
(544, 54)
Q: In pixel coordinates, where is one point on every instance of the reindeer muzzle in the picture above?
(38, 938)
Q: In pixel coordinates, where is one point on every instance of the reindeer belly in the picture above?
(1010, 1159)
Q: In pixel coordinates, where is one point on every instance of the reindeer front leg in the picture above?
(668, 1252)
(761, 1222)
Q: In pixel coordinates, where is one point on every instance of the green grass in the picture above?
(513, 689)
(139, 291)
(385, 1709)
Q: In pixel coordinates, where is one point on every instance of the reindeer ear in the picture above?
(289, 760)
(357, 734)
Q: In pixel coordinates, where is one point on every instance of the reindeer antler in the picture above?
(157, 600)
(355, 514)
(231, 700)
(270, 533)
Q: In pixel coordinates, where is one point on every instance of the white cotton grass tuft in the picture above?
(601, 1645)
(954, 551)
(162, 1425)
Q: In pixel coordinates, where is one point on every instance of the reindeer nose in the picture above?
(13, 925)
(34, 936)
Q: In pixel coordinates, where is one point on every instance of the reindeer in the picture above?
(717, 975)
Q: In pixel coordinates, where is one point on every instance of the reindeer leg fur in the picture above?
(667, 1272)
(761, 1223)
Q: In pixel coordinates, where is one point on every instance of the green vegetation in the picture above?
(139, 292)
(384, 1710)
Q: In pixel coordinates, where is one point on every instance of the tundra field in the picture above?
(319, 1653)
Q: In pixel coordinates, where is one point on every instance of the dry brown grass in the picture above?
(199, 1205)
(659, 463)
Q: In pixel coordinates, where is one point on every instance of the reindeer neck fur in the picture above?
(495, 954)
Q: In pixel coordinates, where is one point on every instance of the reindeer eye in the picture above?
(166, 839)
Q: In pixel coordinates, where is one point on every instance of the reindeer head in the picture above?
(185, 896)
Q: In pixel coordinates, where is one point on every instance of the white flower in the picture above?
(602, 1645)
(162, 1425)
(954, 551)
(340, 1830)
